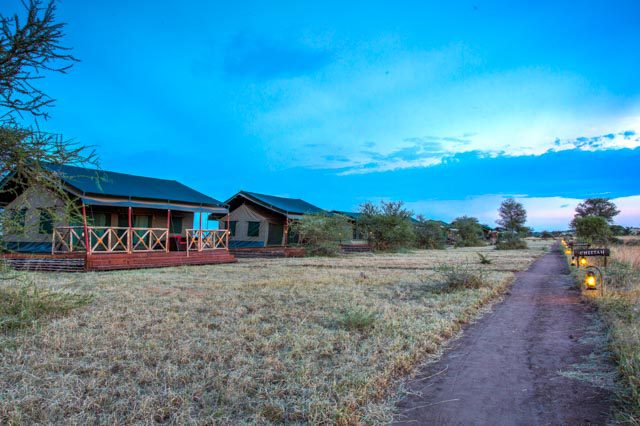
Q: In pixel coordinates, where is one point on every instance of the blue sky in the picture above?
(449, 107)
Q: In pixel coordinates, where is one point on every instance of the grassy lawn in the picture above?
(321, 340)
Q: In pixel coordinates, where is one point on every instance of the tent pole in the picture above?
(168, 227)
(200, 233)
(286, 231)
(86, 229)
(130, 231)
(228, 227)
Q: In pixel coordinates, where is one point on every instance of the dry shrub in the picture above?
(621, 309)
(458, 277)
(358, 319)
(23, 305)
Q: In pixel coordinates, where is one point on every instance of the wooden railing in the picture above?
(109, 239)
(207, 239)
(68, 239)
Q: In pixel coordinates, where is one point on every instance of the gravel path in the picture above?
(505, 369)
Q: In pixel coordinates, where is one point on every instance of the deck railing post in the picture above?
(87, 238)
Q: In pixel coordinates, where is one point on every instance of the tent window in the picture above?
(101, 219)
(232, 228)
(46, 222)
(141, 221)
(123, 221)
(254, 229)
(175, 225)
(17, 221)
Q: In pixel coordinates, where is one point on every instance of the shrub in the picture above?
(430, 234)
(511, 244)
(458, 277)
(23, 305)
(469, 232)
(484, 260)
(389, 226)
(358, 319)
(321, 234)
(592, 229)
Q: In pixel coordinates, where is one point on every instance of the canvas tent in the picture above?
(260, 220)
(109, 200)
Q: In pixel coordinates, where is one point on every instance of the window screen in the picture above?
(46, 222)
(254, 229)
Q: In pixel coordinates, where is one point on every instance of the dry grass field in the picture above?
(621, 310)
(321, 340)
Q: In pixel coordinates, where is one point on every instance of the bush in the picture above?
(321, 234)
(484, 260)
(358, 319)
(430, 234)
(457, 277)
(469, 232)
(592, 229)
(389, 226)
(23, 305)
(511, 244)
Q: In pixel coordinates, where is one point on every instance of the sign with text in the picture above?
(592, 252)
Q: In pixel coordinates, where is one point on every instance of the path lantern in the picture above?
(583, 261)
(567, 252)
(591, 281)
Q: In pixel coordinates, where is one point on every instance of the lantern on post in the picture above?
(583, 261)
(590, 281)
(593, 281)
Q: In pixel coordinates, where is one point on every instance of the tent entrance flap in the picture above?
(276, 232)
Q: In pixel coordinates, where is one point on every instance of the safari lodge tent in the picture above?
(259, 220)
(125, 222)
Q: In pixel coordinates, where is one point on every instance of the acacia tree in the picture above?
(30, 47)
(388, 225)
(513, 216)
(601, 207)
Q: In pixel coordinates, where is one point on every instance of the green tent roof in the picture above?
(114, 184)
(284, 205)
(352, 215)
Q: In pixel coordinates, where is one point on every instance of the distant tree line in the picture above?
(390, 226)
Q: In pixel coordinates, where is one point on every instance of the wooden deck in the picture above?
(78, 262)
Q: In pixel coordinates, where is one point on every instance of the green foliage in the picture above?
(601, 207)
(619, 231)
(484, 260)
(357, 319)
(23, 305)
(469, 232)
(321, 234)
(513, 216)
(546, 235)
(389, 225)
(458, 277)
(430, 234)
(592, 229)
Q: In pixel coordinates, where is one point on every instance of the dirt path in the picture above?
(505, 370)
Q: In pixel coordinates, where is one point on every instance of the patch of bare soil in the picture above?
(538, 359)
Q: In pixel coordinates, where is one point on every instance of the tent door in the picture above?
(275, 234)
